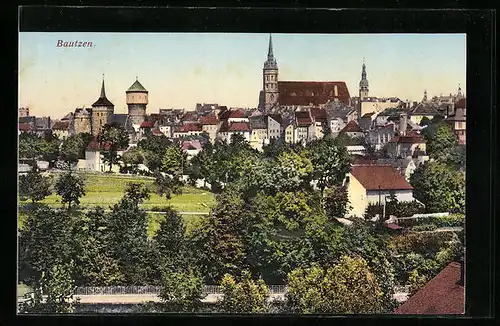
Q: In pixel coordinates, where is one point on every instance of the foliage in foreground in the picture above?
(243, 296)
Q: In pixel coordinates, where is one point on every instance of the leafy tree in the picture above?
(336, 202)
(49, 148)
(171, 241)
(166, 185)
(94, 265)
(457, 157)
(440, 140)
(349, 287)
(33, 185)
(71, 149)
(71, 188)
(111, 139)
(128, 225)
(58, 288)
(154, 148)
(132, 158)
(439, 187)
(44, 241)
(330, 162)
(274, 148)
(182, 291)
(29, 146)
(416, 282)
(174, 161)
(137, 192)
(245, 296)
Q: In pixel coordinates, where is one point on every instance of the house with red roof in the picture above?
(405, 146)
(210, 124)
(228, 129)
(25, 127)
(188, 129)
(191, 148)
(373, 184)
(61, 129)
(352, 129)
(443, 295)
(93, 158)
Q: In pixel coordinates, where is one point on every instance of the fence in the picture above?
(151, 289)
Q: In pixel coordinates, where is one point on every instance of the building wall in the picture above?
(289, 133)
(100, 116)
(273, 128)
(245, 135)
(137, 98)
(166, 130)
(376, 107)
(258, 136)
(82, 124)
(270, 84)
(23, 112)
(137, 114)
(211, 130)
(61, 134)
(402, 195)
(357, 197)
(337, 124)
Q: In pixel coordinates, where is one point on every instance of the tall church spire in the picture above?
(425, 96)
(270, 55)
(103, 93)
(363, 83)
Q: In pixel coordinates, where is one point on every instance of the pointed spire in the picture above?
(425, 96)
(270, 54)
(103, 93)
(363, 84)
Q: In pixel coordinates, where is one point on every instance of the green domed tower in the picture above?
(137, 100)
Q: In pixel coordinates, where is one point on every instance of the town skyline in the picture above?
(182, 69)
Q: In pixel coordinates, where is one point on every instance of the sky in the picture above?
(182, 69)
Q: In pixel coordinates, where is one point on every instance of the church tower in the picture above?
(102, 111)
(425, 96)
(270, 79)
(363, 83)
(137, 100)
(459, 94)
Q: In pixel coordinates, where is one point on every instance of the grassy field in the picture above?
(105, 190)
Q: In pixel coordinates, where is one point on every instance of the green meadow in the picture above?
(106, 190)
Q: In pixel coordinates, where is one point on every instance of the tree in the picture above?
(245, 296)
(94, 265)
(112, 138)
(182, 291)
(348, 287)
(44, 241)
(336, 202)
(132, 158)
(154, 148)
(439, 187)
(330, 162)
(440, 140)
(167, 185)
(174, 161)
(53, 293)
(71, 149)
(33, 185)
(137, 192)
(49, 148)
(29, 146)
(457, 157)
(71, 188)
(128, 225)
(171, 241)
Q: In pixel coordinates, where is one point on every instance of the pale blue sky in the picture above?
(182, 69)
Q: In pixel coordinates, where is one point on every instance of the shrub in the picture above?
(398, 209)
(422, 243)
(425, 227)
(454, 220)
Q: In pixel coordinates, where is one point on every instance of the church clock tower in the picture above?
(363, 83)
(270, 79)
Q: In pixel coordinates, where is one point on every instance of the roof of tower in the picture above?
(102, 101)
(136, 87)
(271, 61)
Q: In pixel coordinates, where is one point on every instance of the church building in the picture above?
(284, 97)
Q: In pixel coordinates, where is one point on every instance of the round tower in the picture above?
(102, 111)
(82, 121)
(137, 100)
(270, 78)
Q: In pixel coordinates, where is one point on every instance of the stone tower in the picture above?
(425, 96)
(270, 79)
(102, 111)
(137, 100)
(363, 83)
(82, 121)
(459, 93)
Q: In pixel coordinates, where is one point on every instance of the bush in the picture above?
(454, 220)
(421, 243)
(159, 208)
(398, 209)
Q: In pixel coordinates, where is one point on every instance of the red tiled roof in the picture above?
(237, 114)
(303, 118)
(239, 126)
(147, 124)
(191, 144)
(413, 139)
(319, 114)
(187, 127)
(209, 120)
(352, 126)
(190, 116)
(383, 177)
(25, 127)
(460, 104)
(304, 93)
(393, 226)
(442, 295)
